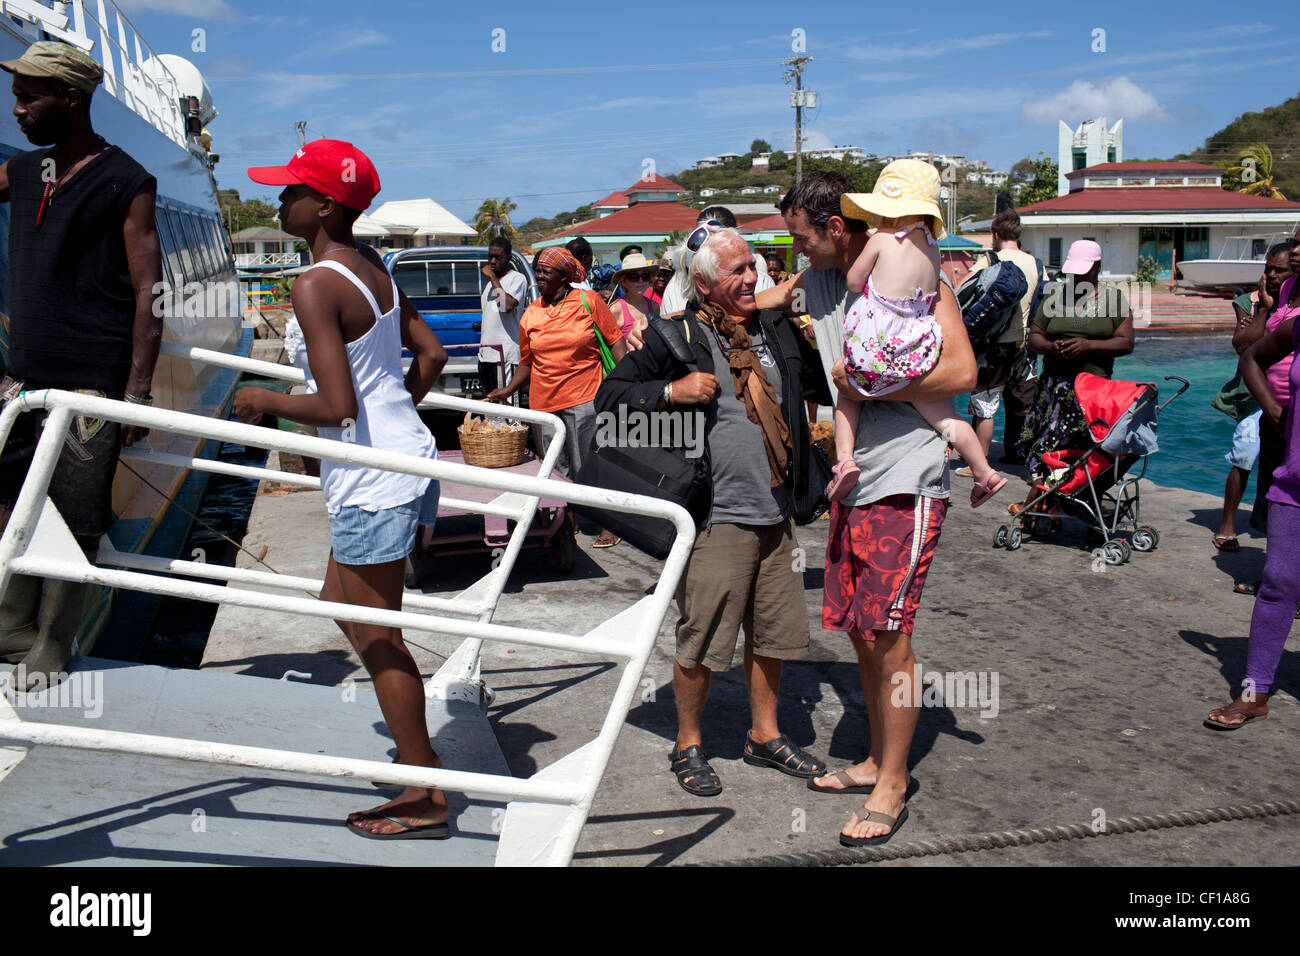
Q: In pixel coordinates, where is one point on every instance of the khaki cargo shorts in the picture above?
(741, 576)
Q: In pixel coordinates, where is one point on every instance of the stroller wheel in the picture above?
(1115, 551)
(1145, 539)
(1040, 526)
(1013, 539)
(1001, 536)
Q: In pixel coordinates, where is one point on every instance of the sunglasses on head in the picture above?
(696, 240)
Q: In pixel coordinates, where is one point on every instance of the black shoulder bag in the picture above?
(645, 469)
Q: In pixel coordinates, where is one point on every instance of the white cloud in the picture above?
(337, 44)
(189, 8)
(1116, 98)
(939, 48)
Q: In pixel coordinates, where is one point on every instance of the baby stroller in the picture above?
(1094, 485)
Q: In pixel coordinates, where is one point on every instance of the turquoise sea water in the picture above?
(1193, 436)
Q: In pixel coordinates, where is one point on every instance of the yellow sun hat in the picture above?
(906, 187)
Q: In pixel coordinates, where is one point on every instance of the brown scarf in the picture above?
(754, 389)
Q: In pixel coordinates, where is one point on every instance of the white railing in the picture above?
(546, 812)
(246, 260)
(132, 72)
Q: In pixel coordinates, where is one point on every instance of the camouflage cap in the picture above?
(58, 61)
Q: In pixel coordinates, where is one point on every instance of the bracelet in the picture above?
(668, 394)
(138, 400)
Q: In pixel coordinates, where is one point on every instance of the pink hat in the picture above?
(1081, 257)
(329, 166)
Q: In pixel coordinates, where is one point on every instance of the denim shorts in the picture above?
(377, 537)
(1245, 443)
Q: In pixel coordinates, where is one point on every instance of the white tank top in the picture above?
(386, 416)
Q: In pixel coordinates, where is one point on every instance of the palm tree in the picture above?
(493, 220)
(1254, 172)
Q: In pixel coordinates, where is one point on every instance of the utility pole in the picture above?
(301, 127)
(798, 99)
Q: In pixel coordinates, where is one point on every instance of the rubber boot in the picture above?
(18, 616)
(62, 606)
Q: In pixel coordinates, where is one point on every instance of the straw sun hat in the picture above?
(906, 187)
(635, 262)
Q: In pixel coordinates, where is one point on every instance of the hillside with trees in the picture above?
(1277, 128)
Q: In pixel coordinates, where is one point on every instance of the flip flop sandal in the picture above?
(873, 816)
(779, 754)
(431, 831)
(1217, 725)
(1226, 542)
(1249, 588)
(843, 477)
(603, 542)
(963, 472)
(846, 784)
(986, 489)
(694, 775)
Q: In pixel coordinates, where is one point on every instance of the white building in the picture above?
(854, 153)
(708, 162)
(264, 247)
(1090, 145)
(1170, 211)
(410, 223)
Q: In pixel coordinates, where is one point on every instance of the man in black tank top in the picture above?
(85, 267)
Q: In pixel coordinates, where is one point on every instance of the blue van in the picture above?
(446, 284)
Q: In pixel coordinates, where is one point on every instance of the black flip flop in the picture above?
(1215, 725)
(432, 831)
(876, 817)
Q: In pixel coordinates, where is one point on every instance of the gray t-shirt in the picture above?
(898, 450)
(502, 328)
(742, 480)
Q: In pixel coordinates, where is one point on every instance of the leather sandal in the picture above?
(780, 754)
(694, 775)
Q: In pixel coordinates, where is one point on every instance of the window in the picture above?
(1054, 253)
(411, 278)
(442, 278)
(170, 255)
(1257, 248)
(1080, 158)
(188, 272)
(198, 248)
(1110, 155)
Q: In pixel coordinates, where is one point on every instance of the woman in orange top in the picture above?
(559, 360)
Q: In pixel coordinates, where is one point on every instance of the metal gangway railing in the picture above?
(545, 812)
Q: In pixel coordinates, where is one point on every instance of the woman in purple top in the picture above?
(1275, 607)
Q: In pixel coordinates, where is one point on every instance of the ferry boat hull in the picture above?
(197, 259)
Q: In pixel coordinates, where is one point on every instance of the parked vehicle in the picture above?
(446, 284)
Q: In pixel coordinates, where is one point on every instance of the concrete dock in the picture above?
(1103, 677)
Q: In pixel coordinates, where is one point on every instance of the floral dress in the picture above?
(890, 341)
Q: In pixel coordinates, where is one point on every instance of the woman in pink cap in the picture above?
(351, 322)
(1079, 327)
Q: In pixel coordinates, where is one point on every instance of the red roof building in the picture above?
(1170, 211)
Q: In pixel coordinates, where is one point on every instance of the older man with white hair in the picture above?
(748, 375)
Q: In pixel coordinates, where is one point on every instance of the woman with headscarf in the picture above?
(559, 359)
(634, 309)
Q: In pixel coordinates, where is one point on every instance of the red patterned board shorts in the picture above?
(877, 557)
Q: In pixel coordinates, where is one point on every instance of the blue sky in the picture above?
(581, 95)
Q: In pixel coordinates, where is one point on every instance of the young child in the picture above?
(890, 335)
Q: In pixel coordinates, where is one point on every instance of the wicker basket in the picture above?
(499, 448)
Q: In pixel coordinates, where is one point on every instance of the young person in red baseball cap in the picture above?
(350, 324)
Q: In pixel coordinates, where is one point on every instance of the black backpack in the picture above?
(990, 299)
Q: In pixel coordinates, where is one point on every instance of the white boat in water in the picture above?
(154, 107)
(1240, 262)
